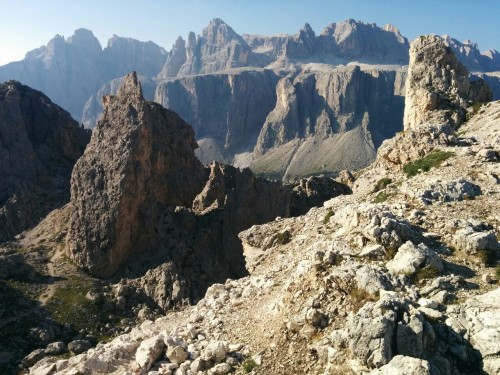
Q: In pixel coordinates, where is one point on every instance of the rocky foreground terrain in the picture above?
(211, 270)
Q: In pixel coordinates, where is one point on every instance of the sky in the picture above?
(29, 24)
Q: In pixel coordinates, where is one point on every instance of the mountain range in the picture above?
(287, 106)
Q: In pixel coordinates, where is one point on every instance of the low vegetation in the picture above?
(382, 184)
(381, 197)
(432, 160)
(249, 365)
(487, 257)
(327, 217)
(474, 109)
(424, 274)
(70, 308)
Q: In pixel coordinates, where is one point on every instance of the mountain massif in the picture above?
(122, 253)
(177, 268)
(271, 103)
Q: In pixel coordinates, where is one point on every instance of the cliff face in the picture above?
(441, 91)
(227, 108)
(39, 144)
(343, 106)
(127, 174)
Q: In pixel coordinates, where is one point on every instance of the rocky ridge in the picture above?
(39, 144)
(399, 276)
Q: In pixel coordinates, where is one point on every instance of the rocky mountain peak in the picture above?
(130, 91)
(218, 32)
(438, 88)
(139, 161)
(85, 40)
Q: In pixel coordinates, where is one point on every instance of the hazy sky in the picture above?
(28, 24)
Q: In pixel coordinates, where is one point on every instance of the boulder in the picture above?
(410, 258)
(404, 365)
(149, 352)
(79, 346)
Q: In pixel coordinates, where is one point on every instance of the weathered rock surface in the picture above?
(318, 108)
(39, 144)
(140, 160)
(439, 92)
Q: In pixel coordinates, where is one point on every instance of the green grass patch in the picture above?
(381, 197)
(249, 365)
(70, 308)
(432, 160)
(382, 184)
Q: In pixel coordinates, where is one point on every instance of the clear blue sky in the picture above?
(28, 24)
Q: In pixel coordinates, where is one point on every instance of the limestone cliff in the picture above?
(39, 144)
(228, 109)
(438, 89)
(348, 107)
(218, 48)
(140, 159)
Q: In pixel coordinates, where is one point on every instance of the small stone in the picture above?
(221, 369)
(55, 348)
(431, 313)
(176, 354)
(425, 302)
(79, 346)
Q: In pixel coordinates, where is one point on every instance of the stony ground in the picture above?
(403, 276)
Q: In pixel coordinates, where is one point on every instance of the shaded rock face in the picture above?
(229, 108)
(140, 159)
(439, 91)
(39, 144)
(312, 192)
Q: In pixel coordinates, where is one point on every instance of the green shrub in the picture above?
(382, 184)
(381, 197)
(434, 159)
(249, 365)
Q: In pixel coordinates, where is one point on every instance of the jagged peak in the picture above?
(219, 32)
(130, 90)
(307, 30)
